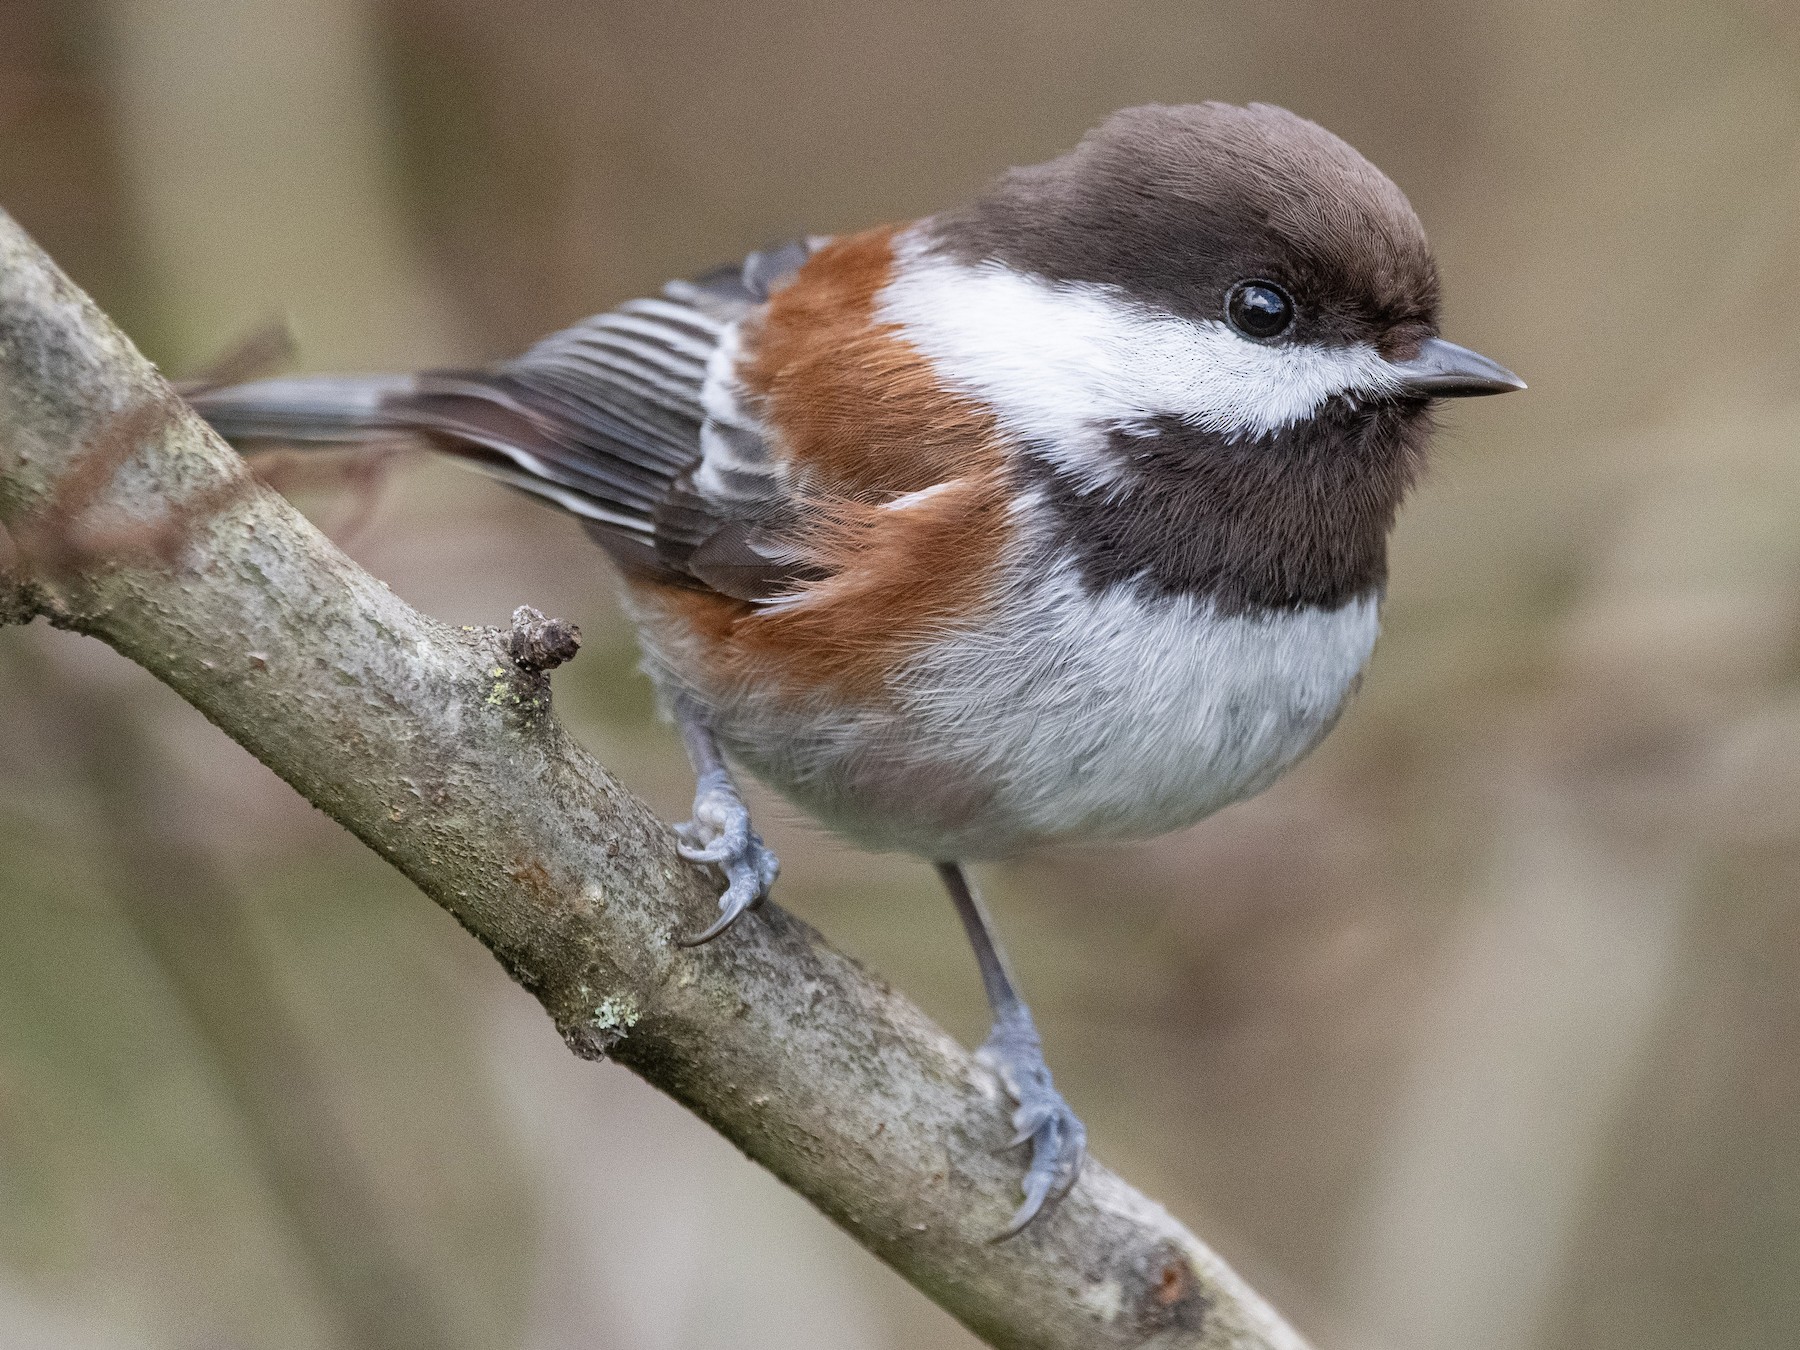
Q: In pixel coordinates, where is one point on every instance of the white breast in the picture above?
(1121, 714)
(1068, 716)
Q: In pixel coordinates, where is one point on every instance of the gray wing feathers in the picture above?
(601, 419)
(629, 419)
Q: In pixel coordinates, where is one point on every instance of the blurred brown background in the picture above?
(1482, 1030)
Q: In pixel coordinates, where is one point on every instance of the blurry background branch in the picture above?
(436, 747)
(203, 939)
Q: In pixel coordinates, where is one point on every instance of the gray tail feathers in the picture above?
(325, 409)
(485, 420)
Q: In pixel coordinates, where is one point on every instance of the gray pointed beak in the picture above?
(1445, 370)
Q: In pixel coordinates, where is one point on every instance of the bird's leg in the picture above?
(720, 831)
(1043, 1119)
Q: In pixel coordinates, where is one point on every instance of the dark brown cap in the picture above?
(1175, 205)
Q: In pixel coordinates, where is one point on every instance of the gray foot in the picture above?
(1043, 1119)
(720, 833)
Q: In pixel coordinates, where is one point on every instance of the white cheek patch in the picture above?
(1064, 363)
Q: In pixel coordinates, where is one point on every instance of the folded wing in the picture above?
(631, 420)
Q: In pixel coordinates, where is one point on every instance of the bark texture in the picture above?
(126, 519)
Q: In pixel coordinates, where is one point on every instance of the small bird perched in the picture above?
(1061, 516)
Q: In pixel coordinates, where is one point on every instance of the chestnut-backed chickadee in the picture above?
(1060, 516)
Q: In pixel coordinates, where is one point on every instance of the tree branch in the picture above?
(19, 600)
(436, 747)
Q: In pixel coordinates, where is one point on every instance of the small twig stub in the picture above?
(537, 644)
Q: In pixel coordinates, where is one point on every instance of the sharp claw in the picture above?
(738, 897)
(717, 851)
(1059, 1147)
(750, 872)
(720, 835)
(1042, 1119)
(718, 926)
(1034, 1204)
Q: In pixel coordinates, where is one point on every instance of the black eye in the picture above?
(1259, 309)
